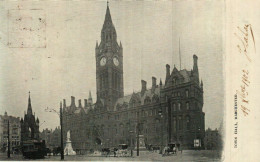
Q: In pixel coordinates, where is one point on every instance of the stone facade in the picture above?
(212, 140)
(51, 137)
(29, 124)
(166, 112)
(14, 132)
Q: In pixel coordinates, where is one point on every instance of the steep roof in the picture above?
(137, 95)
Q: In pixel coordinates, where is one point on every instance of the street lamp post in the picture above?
(61, 128)
(161, 115)
(8, 138)
(61, 136)
(138, 125)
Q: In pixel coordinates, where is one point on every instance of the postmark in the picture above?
(26, 28)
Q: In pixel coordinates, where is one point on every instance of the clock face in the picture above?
(103, 61)
(115, 60)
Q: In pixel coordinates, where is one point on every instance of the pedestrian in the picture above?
(114, 152)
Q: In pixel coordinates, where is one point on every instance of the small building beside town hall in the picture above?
(14, 132)
(168, 112)
(213, 140)
(51, 137)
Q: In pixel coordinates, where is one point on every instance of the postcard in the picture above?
(129, 80)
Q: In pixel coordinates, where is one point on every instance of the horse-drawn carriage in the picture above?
(171, 149)
(123, 151)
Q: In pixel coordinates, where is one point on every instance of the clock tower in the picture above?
(109, 65)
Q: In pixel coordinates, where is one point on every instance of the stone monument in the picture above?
(141, 143)
(68, 148)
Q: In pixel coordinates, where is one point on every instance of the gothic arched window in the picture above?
(187, 105)
(179, 106)
(188, 122)
(187, 93)
(174, 106)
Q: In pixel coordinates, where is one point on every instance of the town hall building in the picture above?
(168, 112)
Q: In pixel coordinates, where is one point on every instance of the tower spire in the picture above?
(29, 109)
(108, 18)
(90, 101)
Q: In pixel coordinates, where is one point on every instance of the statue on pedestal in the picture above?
(68, 148)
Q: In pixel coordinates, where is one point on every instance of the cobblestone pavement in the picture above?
(185, 156)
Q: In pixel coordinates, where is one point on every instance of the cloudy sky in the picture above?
(149, 32)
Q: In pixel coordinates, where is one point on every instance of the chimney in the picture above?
(167, 72)
(72, 101)
(195, 68)
(195, 63)
(64, 103)
(80, 103)
(143, 87)
(153, 83)
(85, 103)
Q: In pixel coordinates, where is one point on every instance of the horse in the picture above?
(106, 150)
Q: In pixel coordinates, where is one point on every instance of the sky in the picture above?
(149, 31)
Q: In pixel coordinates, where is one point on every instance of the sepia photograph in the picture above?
(112, 80)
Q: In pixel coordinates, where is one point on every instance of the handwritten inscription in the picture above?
(246, 41)
(243, 92)
(243, 36)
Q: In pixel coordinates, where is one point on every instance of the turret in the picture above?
(90, 98)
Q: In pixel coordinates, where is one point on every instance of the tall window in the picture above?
(174, 107)
(187, 105)
(187, 93)
(179, 106)
(180, 123)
